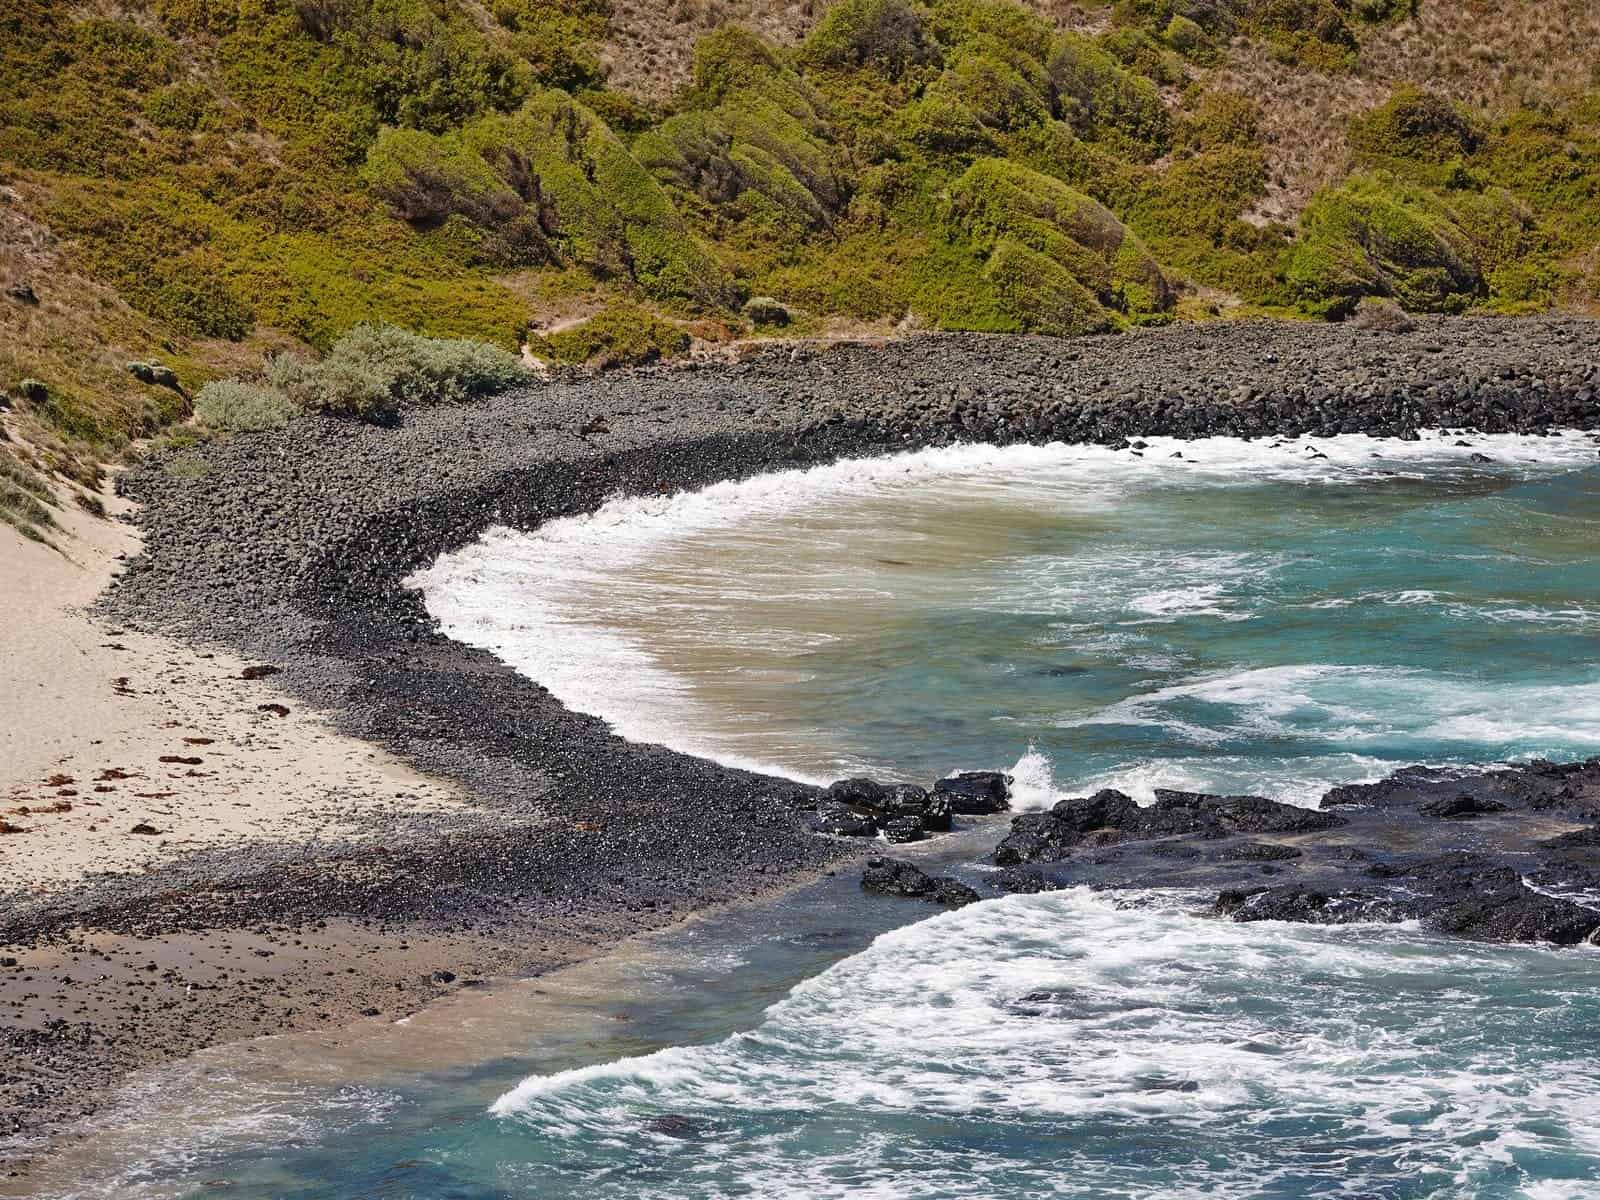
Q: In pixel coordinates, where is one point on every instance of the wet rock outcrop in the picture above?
(1489, 855)
(1460, 893)
(896, 877)
(1109, 817)
(904, 812)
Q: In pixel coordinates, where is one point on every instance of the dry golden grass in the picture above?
(651, 48)
(1486, 54)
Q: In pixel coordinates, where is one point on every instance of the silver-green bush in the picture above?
(378, 369)
(241, 407)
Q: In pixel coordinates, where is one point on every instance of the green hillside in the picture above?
(199, 183)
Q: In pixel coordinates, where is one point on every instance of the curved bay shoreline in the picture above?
(291, 548)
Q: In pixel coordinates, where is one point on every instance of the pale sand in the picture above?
(87, 711)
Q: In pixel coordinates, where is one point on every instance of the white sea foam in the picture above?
(1038, 782)
(1360, 707)
(1094, 1050)
(1033, 781)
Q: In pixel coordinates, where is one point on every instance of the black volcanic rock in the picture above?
(903, 829)
(1302, 904)
(842, 821)
(1522, 916)
(1462, 807)
(976, 793)
(896, 877)
(902, 805)
(866, 794)
(1538, 786)
(1247, 814)
(937, 813)
(1110, 817)
(1459, 893)
(1020, 880)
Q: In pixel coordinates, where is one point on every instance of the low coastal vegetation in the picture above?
(372, 372)
(250, 199)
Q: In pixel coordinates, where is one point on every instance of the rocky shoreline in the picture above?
(291, 548)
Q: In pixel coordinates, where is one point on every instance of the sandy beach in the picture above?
(113, 730)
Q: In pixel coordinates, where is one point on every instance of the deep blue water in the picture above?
(1245, 618)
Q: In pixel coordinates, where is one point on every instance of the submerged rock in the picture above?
(1462, 807)
(1259, 852)
(677, 1125)
(1577, 839)
(1018, 880)
(896, 877)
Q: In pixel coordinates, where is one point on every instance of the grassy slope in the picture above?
(201, 182)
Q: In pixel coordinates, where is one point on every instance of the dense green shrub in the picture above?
(886, 35)
(623, 335)
(157, 247)
(1191, 216)
(610, 215)
(867, 274)
(733, 59)
(240, 407)
(419, 63)
(992, 89)
(427, 179)
(179, 106)
(1221, 119)
(191, 292)
(560, 39)
(375, 370)
(941, 124)
(997, 201)
(1201, 196)
(1056, 151)
(1376, 11)
(1189, 38)
(1041, 293)
(215, 17)
(1417, 125)
(754, 144)
(1375, 236)
(1103, 102)
(957, 22)
(626, 114)
(1308, 33)
(1145, 54)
